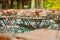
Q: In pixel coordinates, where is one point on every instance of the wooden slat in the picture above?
(27, 26)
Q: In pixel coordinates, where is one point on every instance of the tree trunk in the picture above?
(32, 4)
(18, 4)
(11, 3)
(7, 4)
(39, 4)
(23, 3)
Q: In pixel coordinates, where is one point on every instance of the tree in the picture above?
(51, 3)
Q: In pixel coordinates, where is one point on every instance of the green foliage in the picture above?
(15, 4)
(51, 3)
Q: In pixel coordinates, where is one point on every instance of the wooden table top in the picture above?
(40, 34)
